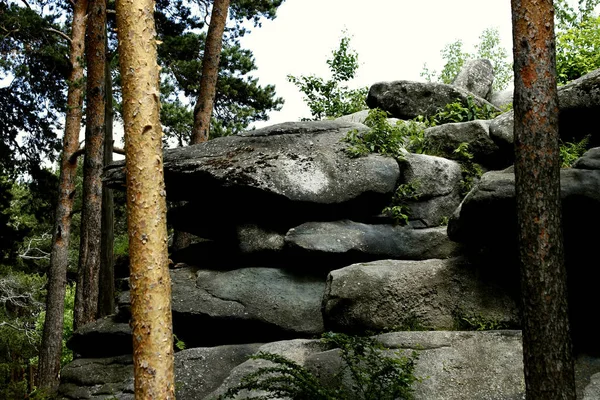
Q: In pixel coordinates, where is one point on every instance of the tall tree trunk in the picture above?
(51, 346)
(106, 291)
(546, 339)
(210, 71)
(146, 203)
(208, 89)
(86, 294)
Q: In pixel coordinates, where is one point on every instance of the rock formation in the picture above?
(292, 243)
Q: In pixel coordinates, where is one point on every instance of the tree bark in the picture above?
(106, 291)
(146, 203)
(86, 294)
(548, 361)
(51, 346)
(210, 71)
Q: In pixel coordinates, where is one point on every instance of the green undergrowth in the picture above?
(571, 151)
(476, 322)
(368, 370)
(399, 209)
(395, 140)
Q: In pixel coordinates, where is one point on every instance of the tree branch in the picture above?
(62, 34)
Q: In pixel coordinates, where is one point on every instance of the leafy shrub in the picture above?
(374, 374)
(385, 138)
(459, 112)
(577, 39)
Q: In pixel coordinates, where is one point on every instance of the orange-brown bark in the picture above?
(547, 355)
(146, 203)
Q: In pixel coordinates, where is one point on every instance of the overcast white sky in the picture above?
(393, 39)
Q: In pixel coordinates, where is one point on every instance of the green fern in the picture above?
(374, 375)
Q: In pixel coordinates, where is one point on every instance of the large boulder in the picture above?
(433, 294)
(409, 99)
(477, 77)
(445, 139)
(299, 167)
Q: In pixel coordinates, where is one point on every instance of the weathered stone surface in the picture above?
(435, 293)
(579, 103)
(488, 212)
(437, 183)
(105, 337)
(453, 365)
(199, 371)
(352, 242)
(589, 160)
(408, 99)
(477, 77)
(286, 166)
(487, 219)
(361, 116)
(242, 305)
(297, 350)
(502, 133)
(592, 391)
(446, 138)
(245, 305)
(502, 98)
(98, 378)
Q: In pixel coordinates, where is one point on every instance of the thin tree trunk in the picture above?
(86, 294)
(146, 203)
(106, 294)
(548, 361)
(210, 71)
(51, 346)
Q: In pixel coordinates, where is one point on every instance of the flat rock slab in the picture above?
(245, 305)
(353, 242)
(283, 166)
